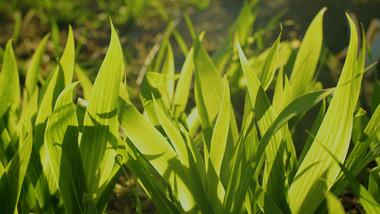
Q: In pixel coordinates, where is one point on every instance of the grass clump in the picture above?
(60, 156)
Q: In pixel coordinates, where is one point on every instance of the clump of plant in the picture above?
(60, 156)
(254, 169)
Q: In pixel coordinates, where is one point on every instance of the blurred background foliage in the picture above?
(141, 23)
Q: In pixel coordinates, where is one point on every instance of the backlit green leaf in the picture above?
(307, 57)
(274, 175)
(9, 81)
(158, 151)
(61, 141)
(34, 68)
(13, 177)
(100, 127)
(187, 154)
(269, 67)
(85, 82)
(374, 183)
(318, 171)
(182, 90)
(333, 204)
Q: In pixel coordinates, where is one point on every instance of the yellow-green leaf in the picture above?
(34, 68)
(61, 142)
(158, 151)
(9, 80)
(13, 176)
(307, 57)
(318, 171)
(100, 127)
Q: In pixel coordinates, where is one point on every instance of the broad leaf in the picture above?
(61, 142)
(100, 127)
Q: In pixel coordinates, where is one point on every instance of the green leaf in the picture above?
(298, 106)
(187, 153)
(374, 183)
(307, 57)
(358, 159)
(313, 131)
(29, 109)
(9, 81)
(368, 202)
(278, 91)
(13, 177)
(181, 42)
(208, 97)
(265, 202)
(68, 58)
(157, 80)
(333, 204)
(141, 168)
(274, 175)
(164, 45)
(85, 82)
(34, 68)
(269, 68)
(138, 203)
(158, 151)
(100, 127)
(182, 91)
(61, 77)
(245, 23)
(220, 132)
(61, 141)
(168, 69)
(217, 152)
(209, 79)
(317, 172)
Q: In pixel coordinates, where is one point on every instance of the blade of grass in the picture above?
(85, 82)
(358, 159)
(368, 202)
(144, 171)
(274, 175)
(61, 75)
(100, 127)
(269, 68)
(298, 106)
(374, 183)
(55, 86)
(218, 150)
(333, 204)
(185, 152)
(138, 203)
(158, 151)
(220, 132)
(182, 91)
(307, 57)
(9, 80)
(13, 177)
(33, 69)
(308, 189)
(168, 69)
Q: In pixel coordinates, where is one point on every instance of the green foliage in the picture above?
(61, 156)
